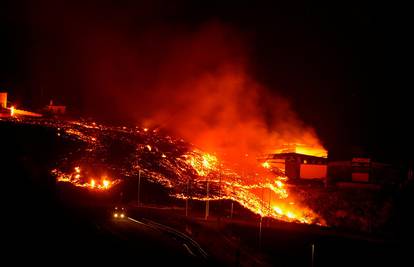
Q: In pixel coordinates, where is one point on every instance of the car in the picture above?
(119, 212)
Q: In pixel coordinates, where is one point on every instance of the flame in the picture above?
(76, 178)
(243, 189)
(105, 184)
(12, 111)
(203, 163)
(316, 150)
(266, 165)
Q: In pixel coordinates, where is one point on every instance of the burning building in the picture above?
(299, 162)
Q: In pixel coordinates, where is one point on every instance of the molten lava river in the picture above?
(172, 163)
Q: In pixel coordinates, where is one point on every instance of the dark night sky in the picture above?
(342, 66)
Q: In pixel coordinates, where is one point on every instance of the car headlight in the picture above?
(122, 215)
(116, 215)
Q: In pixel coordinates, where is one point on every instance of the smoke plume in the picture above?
(194, 81)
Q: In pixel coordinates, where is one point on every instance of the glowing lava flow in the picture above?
(174, 164)
(76, 178)
(234, 187)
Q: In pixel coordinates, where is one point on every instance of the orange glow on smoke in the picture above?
(316, 150)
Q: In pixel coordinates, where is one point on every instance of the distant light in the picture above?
(145, 129)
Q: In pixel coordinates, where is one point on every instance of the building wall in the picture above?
(3, 100)
(299, 166)
(313, 171)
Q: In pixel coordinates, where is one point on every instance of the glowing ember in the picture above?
(203, 164)
(105, 184)
(77, 179)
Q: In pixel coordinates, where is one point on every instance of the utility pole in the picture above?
(207, 202)
(313, 255)
(232, 205)
(220, 210)
(260, 232)
(270, 199)
(139, 186)
(186, 199)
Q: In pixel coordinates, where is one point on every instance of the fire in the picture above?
(266, 165)
(203, 163)
(76, 178)
(316, 150)
(245, 189)
(250, 183)
(12, 111)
